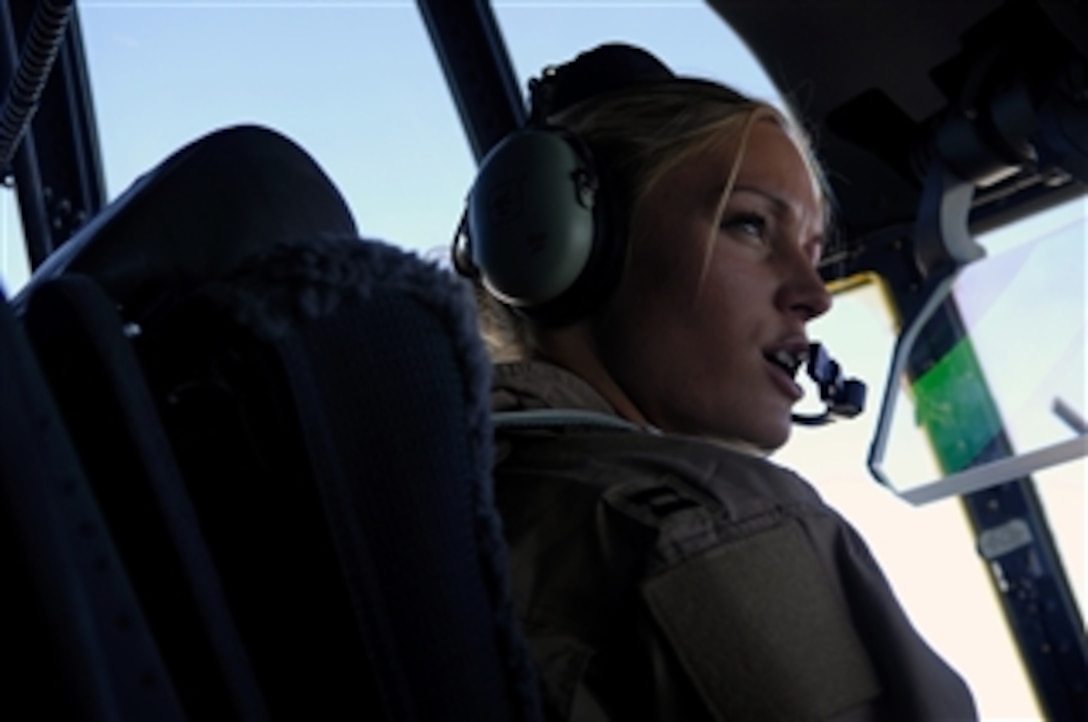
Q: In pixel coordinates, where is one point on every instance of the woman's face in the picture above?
(707, 303)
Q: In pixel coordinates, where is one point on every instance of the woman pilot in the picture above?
(644, 254)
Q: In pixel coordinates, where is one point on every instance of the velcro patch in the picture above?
(761, 632)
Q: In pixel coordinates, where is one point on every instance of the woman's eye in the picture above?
(748, 224)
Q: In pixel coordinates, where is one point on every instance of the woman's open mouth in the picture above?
(784, 364)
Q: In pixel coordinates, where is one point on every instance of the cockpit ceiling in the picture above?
(873, 79)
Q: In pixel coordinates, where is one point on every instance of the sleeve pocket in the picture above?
(760, 631)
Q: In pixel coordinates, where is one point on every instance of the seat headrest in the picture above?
(222, 198)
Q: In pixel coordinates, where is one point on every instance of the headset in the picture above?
(541, 229)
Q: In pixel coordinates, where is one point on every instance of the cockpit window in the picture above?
(13, 259)
(357, 84)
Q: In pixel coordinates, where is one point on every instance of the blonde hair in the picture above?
(637, 136)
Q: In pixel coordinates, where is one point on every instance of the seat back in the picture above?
(94, 376)
(343, 388)
(190, 219)
(325, 401)
(75, 639)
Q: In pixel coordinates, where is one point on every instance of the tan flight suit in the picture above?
(661, 577)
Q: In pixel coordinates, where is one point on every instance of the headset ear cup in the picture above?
(537, 226)
(530, 222)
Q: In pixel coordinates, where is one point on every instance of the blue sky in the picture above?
(357, 84)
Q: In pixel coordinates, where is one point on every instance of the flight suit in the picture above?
(667, 577)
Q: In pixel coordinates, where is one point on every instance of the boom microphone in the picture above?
(844, 397)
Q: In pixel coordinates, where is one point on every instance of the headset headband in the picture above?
(605, 69)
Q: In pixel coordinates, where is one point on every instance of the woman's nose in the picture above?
(804, 292)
